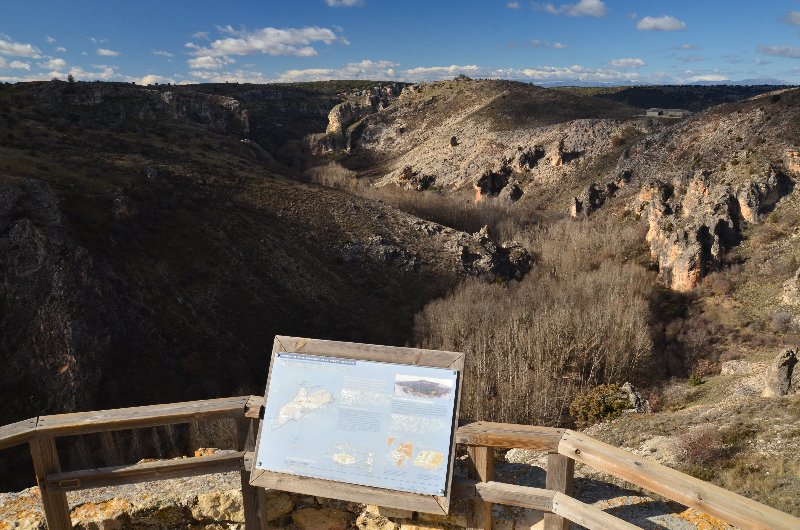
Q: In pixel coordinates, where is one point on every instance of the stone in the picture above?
(105, 515)
(278, 505)
(778, 379)
(638, 403)
(511, 192)
(321, 519)
(219, 506)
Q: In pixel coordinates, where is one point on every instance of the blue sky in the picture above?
(587, 41)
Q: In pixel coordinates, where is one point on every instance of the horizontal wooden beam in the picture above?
(17, 433)
(254, 408)
(138, 417)
(509, 436)
(587, 515)
(146, 472)
(708, 498)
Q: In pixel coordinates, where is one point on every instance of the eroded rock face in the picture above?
(692, 224)
(778, 379)
(55, 321)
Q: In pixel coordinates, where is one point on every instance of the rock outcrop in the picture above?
(692, 224)
(778, 378)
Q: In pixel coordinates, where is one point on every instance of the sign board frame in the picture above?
(353, 492)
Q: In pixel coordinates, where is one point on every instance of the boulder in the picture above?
(778, 379)
(638, 403)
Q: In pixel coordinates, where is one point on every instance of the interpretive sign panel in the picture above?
(360, 416)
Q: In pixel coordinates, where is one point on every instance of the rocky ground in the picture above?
(214, 502)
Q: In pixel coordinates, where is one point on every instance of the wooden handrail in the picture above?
(480, 437)
(138, 417)
(17, 433)
(703, 496)
(505, 435)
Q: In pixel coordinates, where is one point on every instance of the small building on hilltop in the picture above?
(667, 113)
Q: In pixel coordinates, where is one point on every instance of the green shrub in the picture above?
(598, 404)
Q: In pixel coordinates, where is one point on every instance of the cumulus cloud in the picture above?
(18, 49)
(206, 62)
(663, 23)
(54, 64)
(366, 69)
(61, 49)
(344, 3)
(237, 76)
(584, 8)
(793, 18)
(13, 65)
(512, 5)
(162, 53)
(104, 52)
(200, 35)
(536, 43)
(790, 52)
(627, 63)
(270, 41)
(49, 39)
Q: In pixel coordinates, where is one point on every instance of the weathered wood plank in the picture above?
(346, 492)
(503, 493)
(138, 417)
(17, 433)
(560, 473)
(254, 517)
(370, 352)
(505, 435)
(146, 472)
(254, 407)
(586, 515)
(726, 505)
(45, 462)
(479, 516)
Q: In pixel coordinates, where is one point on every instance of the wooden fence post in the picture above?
(45, 462)
(479, 516)
(560, 471)
(253, 499)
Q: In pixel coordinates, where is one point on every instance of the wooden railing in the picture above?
(564, 448)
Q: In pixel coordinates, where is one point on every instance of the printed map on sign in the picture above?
(363, 422)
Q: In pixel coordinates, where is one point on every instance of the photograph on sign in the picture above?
(370, 423)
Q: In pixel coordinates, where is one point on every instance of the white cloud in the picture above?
(270, 41)
(687, 47)
(106, 52)
(104, 73)
(162, 53)
(201, 35)
(54, 64)
(791, 52)
(95, 40)
(627, 63)
(49, 39)
(14, 65)
(708, 78)
(366, 69)
(237, 76)
(208, 63)
(793, 18)
(584, 8)
(344, 3)
(61, 49)
(664, 23)
(18, 49)
(512, 5)
(536, 43)
(632, 15)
